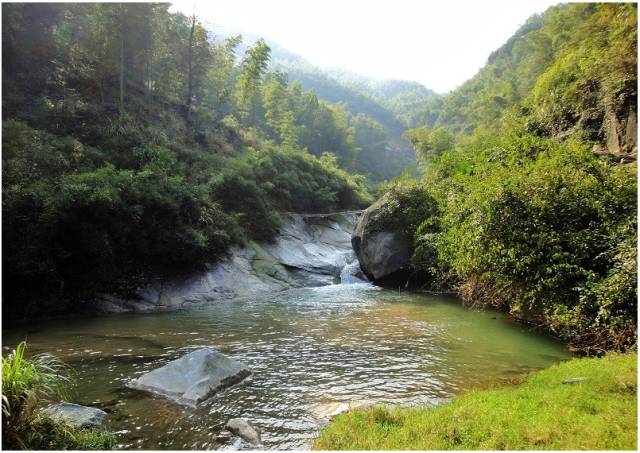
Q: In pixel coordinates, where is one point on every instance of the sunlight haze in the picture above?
(440, 44)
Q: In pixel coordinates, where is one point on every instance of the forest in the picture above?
(129, 154)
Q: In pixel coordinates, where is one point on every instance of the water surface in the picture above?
(306, 347)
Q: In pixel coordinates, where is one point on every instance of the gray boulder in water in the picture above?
(381, 247)
(242, 428)
(194, 377)
(76, 415)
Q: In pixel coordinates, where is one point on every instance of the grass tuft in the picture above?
(27, 383)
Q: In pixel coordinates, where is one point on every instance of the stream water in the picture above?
(307, 348)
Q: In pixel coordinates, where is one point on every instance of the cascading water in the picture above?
(351, 273)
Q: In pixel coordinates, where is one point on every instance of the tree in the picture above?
(252, 69)
(430, 144)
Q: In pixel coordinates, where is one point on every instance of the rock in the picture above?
(76, 415)
(381, 249)
(329, 410)
(314, 244)
(194, 377)
(242, 428)
(310, 250)
(574, 380)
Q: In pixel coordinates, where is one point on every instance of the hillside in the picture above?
(149, 150)
(529, 184)
(569, 71)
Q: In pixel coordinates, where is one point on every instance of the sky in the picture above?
(437, 43)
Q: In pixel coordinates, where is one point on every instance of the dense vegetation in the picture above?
(537, 199)
(134, 145)
(598, 411)
(28, 383)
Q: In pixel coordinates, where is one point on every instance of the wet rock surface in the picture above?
(244, 429)
(76, 415)
(310, 250)
(194, 377)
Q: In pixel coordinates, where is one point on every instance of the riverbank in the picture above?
(587, 403)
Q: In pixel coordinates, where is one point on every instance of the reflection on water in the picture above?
(306, 347)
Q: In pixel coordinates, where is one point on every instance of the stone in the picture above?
(329, 410)
(309, 250)
(314, 244)
(242, 428)
(194, 377)
(381, 249)
(574, 380)
(76, 415)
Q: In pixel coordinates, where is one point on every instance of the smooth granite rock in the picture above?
(310, 250)
(76, 415)
(194, 377)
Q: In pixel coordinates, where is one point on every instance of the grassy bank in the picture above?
(598, 412)
(28, 384)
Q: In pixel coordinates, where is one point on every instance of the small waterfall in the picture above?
(351, 273)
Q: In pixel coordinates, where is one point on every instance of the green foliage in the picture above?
(77, 225)
(26, 384)
(376, 112)
(572, 69)
(252, 69)
(536, 227)
(405, 205)
(260, 183)
(430, 144)
(591, 84)
(129, 150)
(529, 220)
(542, 413)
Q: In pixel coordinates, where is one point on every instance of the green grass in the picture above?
(541, 413)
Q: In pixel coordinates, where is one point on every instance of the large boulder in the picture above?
(194, 377)
(76, 415)
(381, 246)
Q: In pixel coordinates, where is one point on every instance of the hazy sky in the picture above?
(438, 43)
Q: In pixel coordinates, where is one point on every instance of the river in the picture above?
(307, 347)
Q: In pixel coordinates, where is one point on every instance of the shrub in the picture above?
(545, 230)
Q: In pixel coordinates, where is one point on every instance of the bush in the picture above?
(26, 384)
(545, 230)
(260, 183)
(79, 220)
(76, 225)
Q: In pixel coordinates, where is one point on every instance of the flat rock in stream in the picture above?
(76, 415)
(194, 377)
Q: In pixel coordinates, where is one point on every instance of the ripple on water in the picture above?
(308, 349)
